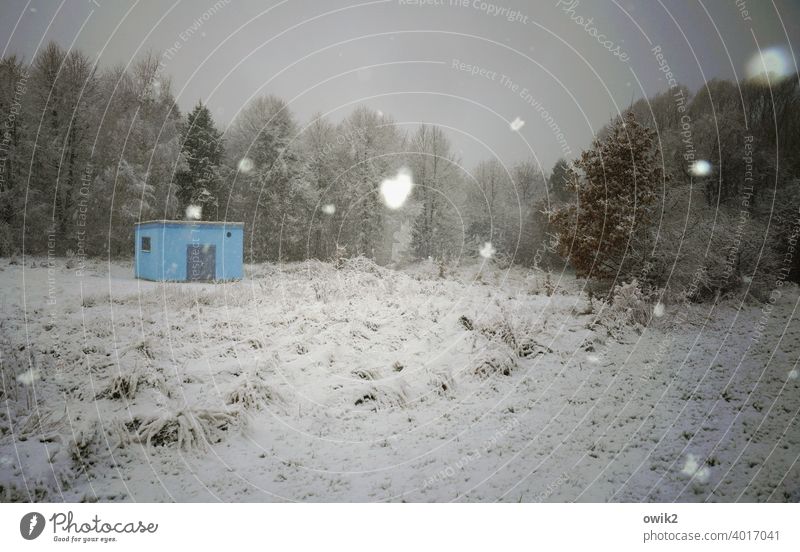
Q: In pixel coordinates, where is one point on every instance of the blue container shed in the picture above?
(189, 251)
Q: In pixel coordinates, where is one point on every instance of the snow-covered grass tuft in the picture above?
(443, 383)
(42, 424)
(252, 393)
(494, 360)
(188, 429)
(125, 385)
(362, 264)
(379, 397)
(83, 446)
(516, 331)
(366, 374)
(35, 491)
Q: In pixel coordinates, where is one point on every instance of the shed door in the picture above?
(201, 261)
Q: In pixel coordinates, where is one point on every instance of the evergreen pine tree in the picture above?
(198, 184)
(615, 182)
(559, 182)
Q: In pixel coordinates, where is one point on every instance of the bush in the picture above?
(629, 306)
(704, 252)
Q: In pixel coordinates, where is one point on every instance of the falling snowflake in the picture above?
(487, 250)
(245, 165)
(395, 190)
(594, 359)
(793, 374)
(517, 124)
(700, 168)
(658, 310)
(692, 469)
(28, 377)
(329, 209)
(194, 212)
(772, 63)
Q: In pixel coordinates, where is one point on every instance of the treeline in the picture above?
(694, 193)
(686, 191)
(87, 152)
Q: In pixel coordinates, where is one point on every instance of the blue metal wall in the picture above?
(166, 260)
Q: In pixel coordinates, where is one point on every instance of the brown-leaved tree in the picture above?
(604, 230)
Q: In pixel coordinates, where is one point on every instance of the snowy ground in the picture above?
(308, 383)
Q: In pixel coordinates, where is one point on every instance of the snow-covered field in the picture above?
(309, 383)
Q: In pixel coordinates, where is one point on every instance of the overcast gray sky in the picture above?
(413, 62)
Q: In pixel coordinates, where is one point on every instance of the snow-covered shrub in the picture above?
(83, 446)
(365, 265)
(515, 331)
(89, 300)
(252, 392)
(708, 251)
(429, 268)
(42, 424)
(323, 289)
(366, 374)
(629, 300)
(382, 396)
(442, 383)
(629, 306)
(189, 429)
(493, 361)
(125, 385)
(339, 257)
